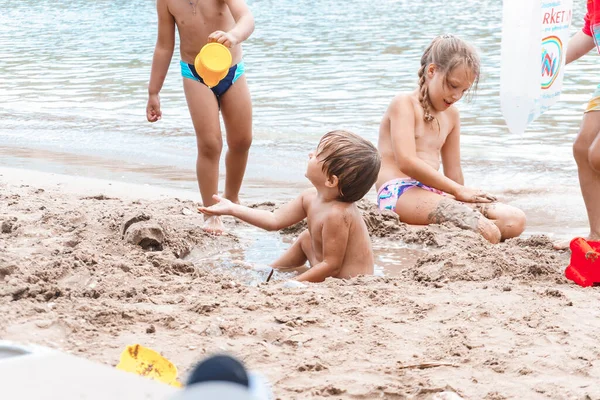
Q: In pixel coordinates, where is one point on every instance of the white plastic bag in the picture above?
(556, 21)
(534, 38)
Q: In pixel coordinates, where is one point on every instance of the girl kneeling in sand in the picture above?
(422, 127)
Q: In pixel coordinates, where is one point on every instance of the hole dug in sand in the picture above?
(140, 231)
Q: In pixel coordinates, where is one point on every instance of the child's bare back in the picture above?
(351, 241)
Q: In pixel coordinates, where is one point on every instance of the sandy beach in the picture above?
(90, 266)
(100, 240)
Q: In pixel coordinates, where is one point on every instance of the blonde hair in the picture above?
(446, 52)
(354, 160)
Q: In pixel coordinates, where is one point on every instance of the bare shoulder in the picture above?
(453, 115)
(404, 106)
(307, 196)
(167, 5)
(342, 215)
(403, 102)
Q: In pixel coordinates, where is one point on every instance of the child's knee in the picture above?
(239, 144)
(465, 217)
(210, 148)
(304, 236)
(584, 145)
(513, 224)
(489, 230)
(305, 244)
(581, 150)
(594, 157)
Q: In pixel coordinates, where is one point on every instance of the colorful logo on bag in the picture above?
(552, 50)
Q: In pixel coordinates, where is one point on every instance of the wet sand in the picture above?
(92, 266)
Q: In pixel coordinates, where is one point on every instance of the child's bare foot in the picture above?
(564, 244)
(235, 200)
(213, 225)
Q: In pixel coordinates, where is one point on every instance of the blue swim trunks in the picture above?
(189, 71)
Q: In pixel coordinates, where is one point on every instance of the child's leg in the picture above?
(510, 220)
(585, 151)
(422, 207)
(204, 111)
(594, 154)
(236, 108)
(297, 255)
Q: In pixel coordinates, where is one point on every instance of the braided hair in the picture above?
(446, 52)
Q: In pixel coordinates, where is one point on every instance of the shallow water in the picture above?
(73, 90)
(261, 248)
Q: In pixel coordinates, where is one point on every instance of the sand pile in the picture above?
(90, 275)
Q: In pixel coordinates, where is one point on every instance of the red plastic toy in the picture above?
(584, 268)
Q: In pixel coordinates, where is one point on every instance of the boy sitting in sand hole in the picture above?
(342, 170)
(421, 130)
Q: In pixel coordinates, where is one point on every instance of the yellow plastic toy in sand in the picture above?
(213, 63)
(146, 362)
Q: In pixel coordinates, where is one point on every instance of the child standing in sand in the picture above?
(422, 128)
(342, 170)
(586, 148)
(228, 22)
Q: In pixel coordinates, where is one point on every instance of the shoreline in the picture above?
(544, 218)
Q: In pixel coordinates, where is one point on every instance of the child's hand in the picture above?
(225, 38)
(223, 207)
(153, 112)
(473, 196)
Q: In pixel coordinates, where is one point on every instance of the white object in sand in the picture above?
(33, 372)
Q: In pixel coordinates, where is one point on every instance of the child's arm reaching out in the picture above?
(244, 25)
(285, 216)
(335, 234)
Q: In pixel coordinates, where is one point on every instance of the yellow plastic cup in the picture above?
(213, 63)
(142, 361)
